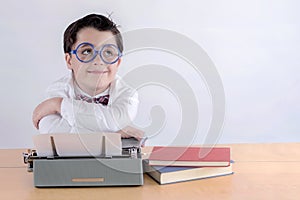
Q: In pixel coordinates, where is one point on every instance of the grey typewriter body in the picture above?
(72, 171)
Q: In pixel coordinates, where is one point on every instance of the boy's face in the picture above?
(95, 76)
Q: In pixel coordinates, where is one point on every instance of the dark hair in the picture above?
(99, 22)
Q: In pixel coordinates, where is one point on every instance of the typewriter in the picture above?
(55, 170)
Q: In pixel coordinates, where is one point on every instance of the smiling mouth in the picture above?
(96, 72)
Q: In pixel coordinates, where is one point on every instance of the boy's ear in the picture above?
(68, 60)
(119, 62)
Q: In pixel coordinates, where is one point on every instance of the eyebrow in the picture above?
(102, 44)
(85, 45)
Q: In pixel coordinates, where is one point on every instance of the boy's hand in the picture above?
(129, 131)
(47, 107)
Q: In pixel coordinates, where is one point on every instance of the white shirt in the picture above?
(80, 116)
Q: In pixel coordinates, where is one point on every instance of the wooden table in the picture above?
(262, 171)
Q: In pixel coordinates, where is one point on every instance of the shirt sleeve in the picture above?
(54, 124)
(97, 117)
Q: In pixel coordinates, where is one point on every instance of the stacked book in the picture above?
(177, 164)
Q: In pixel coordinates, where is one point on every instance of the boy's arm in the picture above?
(89, 116)
(47, 107)
(98, 117)
(54, 123)
(128, 132)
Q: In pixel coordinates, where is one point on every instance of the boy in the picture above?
(92, 98)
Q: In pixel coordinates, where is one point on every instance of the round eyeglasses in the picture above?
(86, 52)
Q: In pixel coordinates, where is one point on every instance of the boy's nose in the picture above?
(98, 60)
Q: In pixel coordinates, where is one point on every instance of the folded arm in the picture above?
(68, 115)
(47, 107)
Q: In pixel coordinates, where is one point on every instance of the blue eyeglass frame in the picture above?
(96, 52)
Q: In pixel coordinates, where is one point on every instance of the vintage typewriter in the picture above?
(55, 170)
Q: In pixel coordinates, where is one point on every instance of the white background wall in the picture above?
(254, 44)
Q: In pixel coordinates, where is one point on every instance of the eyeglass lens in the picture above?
(108, 53)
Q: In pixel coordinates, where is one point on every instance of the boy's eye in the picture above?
(86, 51)
(108, 53)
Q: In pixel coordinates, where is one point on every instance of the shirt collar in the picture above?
(78, 91)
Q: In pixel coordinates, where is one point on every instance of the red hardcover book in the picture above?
(190, 156)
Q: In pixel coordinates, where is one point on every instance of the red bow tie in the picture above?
(102, 99)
